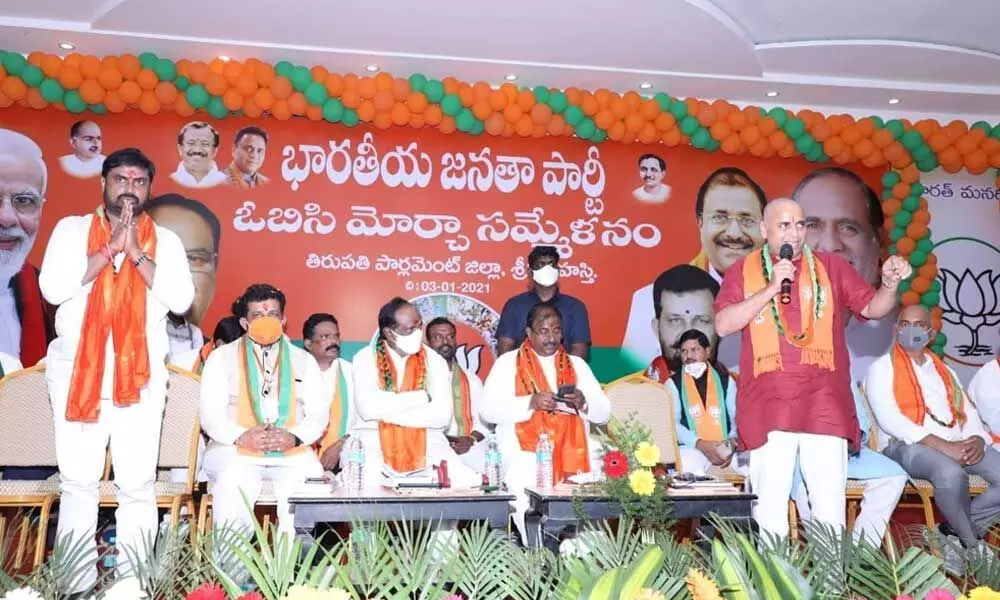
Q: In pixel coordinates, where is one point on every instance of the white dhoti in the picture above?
(236, 480)
(134, 435)
(438, 449)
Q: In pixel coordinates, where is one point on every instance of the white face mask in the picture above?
(696, 369)
(546, 276)
(410, 343)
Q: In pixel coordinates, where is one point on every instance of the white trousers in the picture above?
(878, 502)
(233, 476)
(134, 435)
(696, 463)
(824, 470)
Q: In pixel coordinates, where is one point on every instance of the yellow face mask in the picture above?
(265, 330)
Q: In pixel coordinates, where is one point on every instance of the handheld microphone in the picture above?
(785, 253)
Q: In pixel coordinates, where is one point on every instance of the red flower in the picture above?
(659, 472)
(207, 591)
(615, 464)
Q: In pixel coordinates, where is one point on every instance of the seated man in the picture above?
(704, 406)
(542, 388)
(263, 405)
(321, 337)
(984, 391)
(933, 430)
(884, 482)
(403, 401)
(467, 432)
(227, 330)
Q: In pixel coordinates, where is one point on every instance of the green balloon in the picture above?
(217, 108)
(911, 203)
(897, 233)
(918, 258)
(877, 120)
(451, 105)
(51, 90)
(679, 109)
(940, 339)
(804, 144)
(316, 93)
(478, 127)
(333, 110)
(778, 115)
(301, 78)
(701, 138)
(903, 218)
(982, 125)
(599, 136)
(912, 140)
(996, 131)
(935, 285)
(434, 91)
(417, 82)
(887, 194)
(558, 101)
(930, 299)
(817, 155)
(904, 285)
(284, 69)
(182, 83)
(73, 102)
(712, 144)
(925, 244)
(923, 152)
(14, 63)
(573, 115)
(889, 179)
(928, 164)
(464, 121)
(917, 189)
(895, 127)
(197, 96)
(148, 60)
(98, 109)
(586, 129)
(32, 75)
(664, 101)
(794, 128)
(689, 125)
(350, 117)
(165, 69)
(541, 93)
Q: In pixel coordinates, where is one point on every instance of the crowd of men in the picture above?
(787, 413)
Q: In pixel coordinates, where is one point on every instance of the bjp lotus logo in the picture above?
(971, 301)
(468, 357)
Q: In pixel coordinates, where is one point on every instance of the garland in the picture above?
(804, 337)
(253, 88)
(385, 369)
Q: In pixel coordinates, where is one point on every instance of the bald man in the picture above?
(928, 425)
(27, 321)
(794, 398)
(86, 160)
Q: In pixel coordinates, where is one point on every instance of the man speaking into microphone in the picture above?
(794, 400)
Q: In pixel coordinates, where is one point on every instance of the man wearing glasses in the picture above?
(199, 230)
(197, 145)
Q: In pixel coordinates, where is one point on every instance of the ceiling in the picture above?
(940, 59)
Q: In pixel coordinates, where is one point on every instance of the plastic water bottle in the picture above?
(543, 463)
(355, 472)
(493, 461)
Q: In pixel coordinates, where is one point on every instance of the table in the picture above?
(550, 513)
(382, 504)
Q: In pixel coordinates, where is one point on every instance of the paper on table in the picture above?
(584, 478)
(392, 478)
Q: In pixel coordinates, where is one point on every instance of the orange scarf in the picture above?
(404, 449)
(336, 429)
(463, 402)
(815, 339)
(909, 396)
(199, 363)
(704, 417)
(246, 416)
(116, 306)
(568, 432)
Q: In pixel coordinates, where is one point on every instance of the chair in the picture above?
(651, 403)
(179, 436)
(27, 439)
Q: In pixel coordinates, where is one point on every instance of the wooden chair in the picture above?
(27, 439)
(650, 402)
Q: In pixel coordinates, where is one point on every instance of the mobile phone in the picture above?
(564, 391)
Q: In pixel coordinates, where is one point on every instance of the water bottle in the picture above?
(355, 472)
(543, 463)
(493, 461)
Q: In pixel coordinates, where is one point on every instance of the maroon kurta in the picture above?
(799, 398)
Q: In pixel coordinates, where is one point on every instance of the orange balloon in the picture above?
(731, 144)
(851, 136)
(383, 82)
(977, 162)
(719, 129)
(280, 110)
(510, 90)
(928, 271)
(232, 71)
(383, 100)
(265, 74)
(822, 131)
(319, 73)
(750, 135)
(649, 110)
(634, 122)
(619, 108)
(666, 121)
(417, 102)
(617, 131)
(833, 146)
(915, 231)
(130, 92)
(737, 121)
(166, 92)
(498, 101)
(603, 97)
(648, 134)
(36, 58)
(366, 87)
(632, 99)
(383, 120)
(263, 98)
(129, 66)
(883, 138)
(246, 85)
(451, 85)
(434, 115)
(919, 284)
(51, 65)
(5, 102)
(335, 85)
(524, 125)
(556, 125)
(418, 121)
(845, 157)
(232, 100)
(70, 78)
(573, 95)
(863, 148)
(526, 100)
(482, 110)
(148, 103)
(466, 95)
(250, 108)
(891, 206)
(447, 125)
(200, 72)
(400, 115)
(779, 140)
(217, 84)
(184, 67)
(923, 217)
(761, 148)
(910, 174)
(901, 190)
(893, 151)
(875, 159)
(401, 89)
(767, 126)
(114, 102)
(147, 79)
(513, 113)
(366, 112)
(910, 298)
(34, 99)
(604, 119)
(217, 65)
(671, 137)
(281, 88)
(297, 104)
(788, 151)
(905, 246)
(90, 67)
(351, 81)
(481, 90)
(706, 115)
(590, 105)
(351, 98)
(494, 124)
(314, 113)
(91, 91)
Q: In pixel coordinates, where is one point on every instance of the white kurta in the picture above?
(211, 179)
(984, 391)
(133, 431)
(475, 458)
(84, 169)
(184, 338)
(502, 406)
(893, 423)
(233, 475)
(431, 410)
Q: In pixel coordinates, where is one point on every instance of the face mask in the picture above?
(913, 337)
(696, 369)
(410, 343)
(265, 330)
(546, 276)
